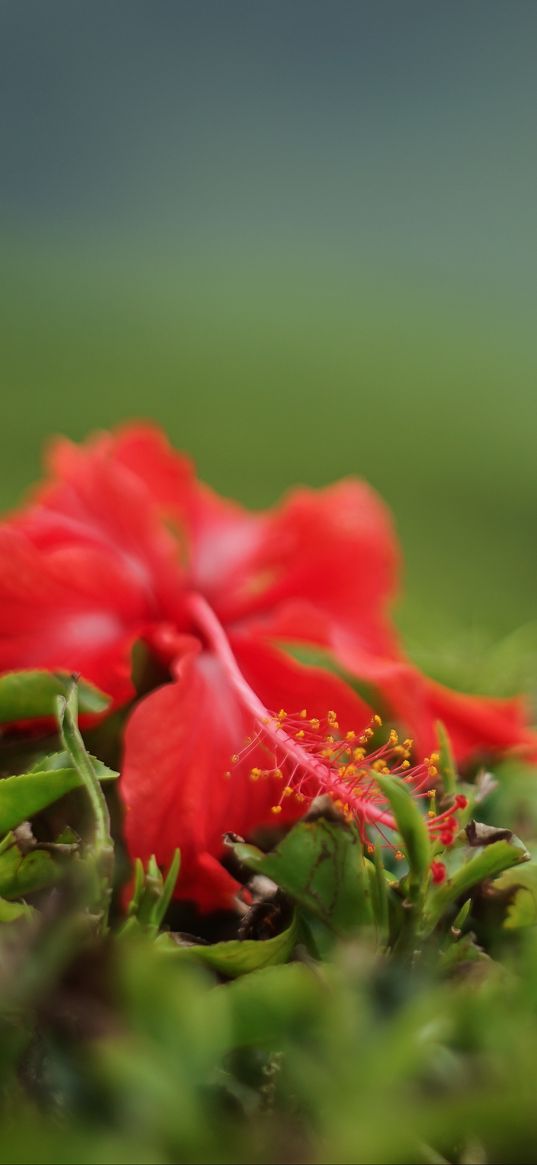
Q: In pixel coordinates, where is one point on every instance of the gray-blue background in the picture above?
(302, 237)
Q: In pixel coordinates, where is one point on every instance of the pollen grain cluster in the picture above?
(310, 755)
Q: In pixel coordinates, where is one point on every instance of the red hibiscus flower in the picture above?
(123, 544)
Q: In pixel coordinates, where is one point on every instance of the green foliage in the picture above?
(520, 889)
(413, 831)
(490, 860)
(151, 895)
(25, 795)
(236, 957)
(447, 763)
(27, 695)
(23, 874)
(320, 865)
(349, 1013)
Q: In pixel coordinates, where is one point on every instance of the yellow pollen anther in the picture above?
(393, 737)
(431, 813)
(433, 771)
(435, 757)
(278, 774)
(303, 714)
(300, 734)
(405, 764)
(300, 797)
(350, 735)
(358, 754)
(255, 774)
(276, 809)
(329, 739)
(377, 720)
(315, 723)
(408, 743)
(282, 714)
(431, 793)
(288, 791)
(235, 758)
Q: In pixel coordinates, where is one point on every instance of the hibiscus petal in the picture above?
(334, 547)
(74, 610)
(324, 568)
(284, 682)
(178, 747)
(222, 537)
(477, 724)
(97, 501)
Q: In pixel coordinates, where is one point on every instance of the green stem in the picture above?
(103, 846)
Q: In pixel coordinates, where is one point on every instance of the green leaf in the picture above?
(379, 891)
(23, 796)
(102, 847)
(67, 712)
(20, 875)
(320, 865)
(447, 768)
(487, 862)
(29, 695)
(462, 954)
(236, 957)
(151, 894)
(12, 911)
(522, 909)
(168, 887)
(411, 827)
(62, 760)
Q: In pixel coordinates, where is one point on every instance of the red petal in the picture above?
(283, 682)
(178, 747)
(221, 537)
(326, 570)
(477, 724)
(74, 610)
(334, 548)
(97, 501)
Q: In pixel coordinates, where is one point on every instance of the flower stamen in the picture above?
(313, 756)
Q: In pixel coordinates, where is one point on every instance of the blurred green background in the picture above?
(300, 236)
